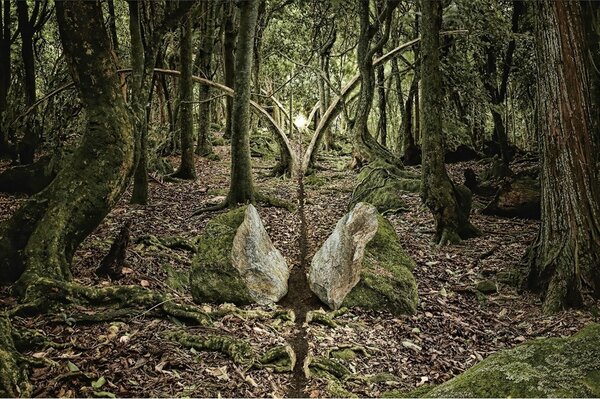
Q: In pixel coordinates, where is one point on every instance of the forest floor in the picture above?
(455, 326)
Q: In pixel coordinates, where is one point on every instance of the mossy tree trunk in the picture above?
(140, 89)
(204, 60)
(230, 32)
(324, 81)
(40, 238)
(564, 258)
(186, 168)
(241, 189)
(381, 103)
(366, 148)
(5, 69)
(28, 25)
(157, 18)
(449, 203)
(406, 141)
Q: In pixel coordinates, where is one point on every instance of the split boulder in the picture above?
(237, 262)
(363, 264)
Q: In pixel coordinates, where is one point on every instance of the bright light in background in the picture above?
(301, 122)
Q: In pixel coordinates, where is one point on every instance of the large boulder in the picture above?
(547, 367)
(363, 264)
(237, 262)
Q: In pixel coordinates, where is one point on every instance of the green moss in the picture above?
(549, 367)
(486, 287)
(176, 279)
(213, 278)
(419, 392)
(343, 354)
(386, 281)
(381, 185)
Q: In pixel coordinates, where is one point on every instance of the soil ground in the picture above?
(454, 327)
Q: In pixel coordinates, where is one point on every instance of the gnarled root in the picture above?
(13, 374)
(280, 358)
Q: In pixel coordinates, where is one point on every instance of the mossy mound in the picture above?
(386, 281)
(381, 184)
(213, 277)
(236, 262)
(548, 367)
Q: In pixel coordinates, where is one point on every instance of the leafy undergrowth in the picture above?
(455, 325)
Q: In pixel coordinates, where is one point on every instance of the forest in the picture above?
(299, 198)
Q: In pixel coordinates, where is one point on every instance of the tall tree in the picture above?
(230, 33)
(449, 203)
(29, 24)
(6, 39)
(563, 261)
(39, 240)
(204, 62)
(366, 148)
(149, 21)
(241, 189)
(186, 168)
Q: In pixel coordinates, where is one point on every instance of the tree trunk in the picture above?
(230, 33)
(186, 169)
(564, 258)
(204, 62)
(30, 140)
(382, 103)
(449, 203)
(241, 189)
(39, 240)
(5, 71)
(406, 141)
(366, 148)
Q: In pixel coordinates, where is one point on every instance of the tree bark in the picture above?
(30, 140)
(366, 148)
(449, 203)
(204, 61)
(39, 240)
(230, 33)
(382, 104)
(241, 189)
(564, 259)
(5, 70)
(186, 168)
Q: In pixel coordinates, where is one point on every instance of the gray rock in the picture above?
(237, 262)
(336, 267)
(260, 264)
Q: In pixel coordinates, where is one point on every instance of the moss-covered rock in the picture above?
(386, 280)
(381, 185)
(548, 367)
(236, 262)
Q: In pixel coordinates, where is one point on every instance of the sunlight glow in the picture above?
(301, 122)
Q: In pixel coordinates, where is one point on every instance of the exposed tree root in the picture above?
(281, 358)
(325, 318)
(173, 242)
(13, 376)
(213, 208)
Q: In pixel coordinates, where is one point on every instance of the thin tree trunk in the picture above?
(366, 148)
(382, 103)
(30, 140)
(5, 70)
(564, 258)
(241, 189)
(204, 60)
(230, 33)
(449, 203)
(186, 122)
